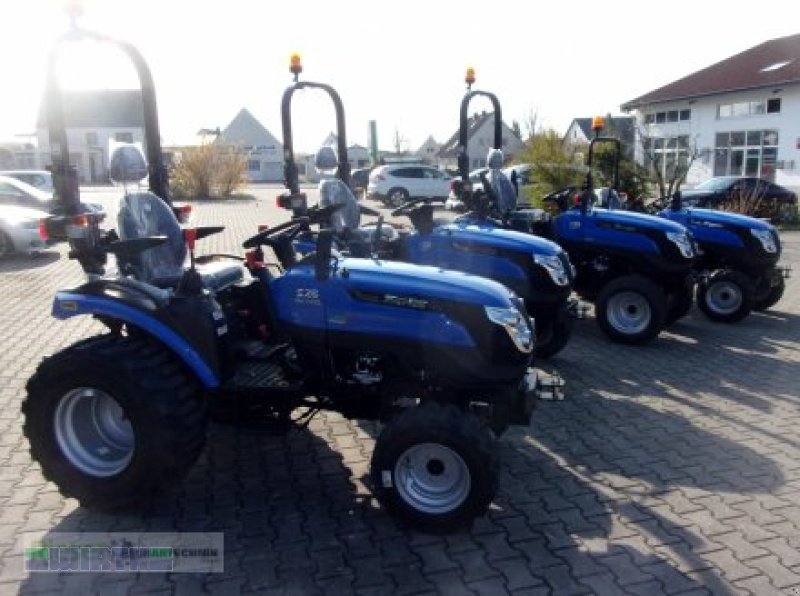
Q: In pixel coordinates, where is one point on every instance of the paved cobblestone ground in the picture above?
(671, 469)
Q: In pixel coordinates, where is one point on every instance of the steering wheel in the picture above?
(267, 236)
(561, 196)
(406, 208)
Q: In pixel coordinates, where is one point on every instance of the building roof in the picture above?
(622, 127)
(430, 141)
(246, 131)
(774, 62)
(450, 147)
(101, 108)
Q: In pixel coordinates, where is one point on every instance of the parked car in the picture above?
(359, 181)
(767, 199)
(396, 184)
(19, 230)
(41, 179)
(453, 202)
(19, 194)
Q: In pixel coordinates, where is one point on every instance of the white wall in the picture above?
(82, 155)
(705, 124)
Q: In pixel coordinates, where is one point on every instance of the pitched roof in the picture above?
(618, 126)
(774, 62)
(245, 130)
(450, 147)
(429, 141)
(101, 108)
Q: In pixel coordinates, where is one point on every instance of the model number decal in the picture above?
(307, 296)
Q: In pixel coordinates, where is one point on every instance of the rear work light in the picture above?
(183, 213)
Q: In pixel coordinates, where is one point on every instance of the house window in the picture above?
(253, 165)
(91, 139)
(669, 116)
(123, 137)
(746, 153)
(774, 105)
(749, 108)
(668, 155)
(685, 115)
(648, 119)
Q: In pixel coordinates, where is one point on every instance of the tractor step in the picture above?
(578, 309)
(252, 375)
(550, 387)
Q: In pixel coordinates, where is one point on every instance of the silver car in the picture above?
(19, 230)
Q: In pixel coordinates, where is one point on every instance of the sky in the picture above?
(399, 63)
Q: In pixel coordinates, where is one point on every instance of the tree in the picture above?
(531, 125)
(399, 142)
(555, 165)
(516, 128)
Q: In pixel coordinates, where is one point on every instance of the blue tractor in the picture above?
(536, 269)
(737, 265)
(444, 359)
(736, 270)
(635, 268)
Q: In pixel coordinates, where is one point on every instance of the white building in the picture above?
(92, 119)
(741, 114)
(428, 150)
(263, 151)
(480, 138)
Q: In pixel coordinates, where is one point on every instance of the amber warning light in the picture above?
(598, 122)
(470, 77)
(295, 63)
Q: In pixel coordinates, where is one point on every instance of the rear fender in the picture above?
(69, 304)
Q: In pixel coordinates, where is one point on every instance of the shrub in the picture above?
(208, 171)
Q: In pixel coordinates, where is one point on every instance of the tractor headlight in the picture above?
(554, 267)
(517, 325)
(766, 238)
(683, 242)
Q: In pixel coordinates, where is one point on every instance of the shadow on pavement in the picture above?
(20, 262)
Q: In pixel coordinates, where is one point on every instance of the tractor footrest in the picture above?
(257, 374)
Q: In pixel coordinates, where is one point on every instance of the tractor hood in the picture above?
(404, 280)
(710, 217)
(621, 218)
(489, 234)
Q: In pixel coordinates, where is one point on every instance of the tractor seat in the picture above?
(504, 190)
(144, 214)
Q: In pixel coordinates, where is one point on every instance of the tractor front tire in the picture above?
(434, 467)
(113, 421)
(725, 296)
(631, 309)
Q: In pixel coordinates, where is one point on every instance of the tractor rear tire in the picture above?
(113, 421)
(434, 467)
(631, 309)
(725, 296)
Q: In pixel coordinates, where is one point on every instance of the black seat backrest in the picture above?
(333, 191)
(127, 164)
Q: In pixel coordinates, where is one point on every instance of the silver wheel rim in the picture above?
(432, 478)
(93, 432)
(628, 312)
(397, 198)
(724, 297)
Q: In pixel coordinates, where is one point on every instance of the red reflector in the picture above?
(190, 235)
(43, 229)
(278, 203)
(183, 213)
(263, 227)
(576, 200)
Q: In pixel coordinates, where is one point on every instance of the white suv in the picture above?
(396, 184)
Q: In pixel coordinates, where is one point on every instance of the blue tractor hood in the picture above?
(638, 220)
(705, 217)
(421, 281)
(478, 232)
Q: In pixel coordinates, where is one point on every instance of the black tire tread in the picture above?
(655, 296)
(178, 426)
(448, 424)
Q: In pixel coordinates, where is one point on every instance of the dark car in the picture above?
(359, 179)
(754, 196)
